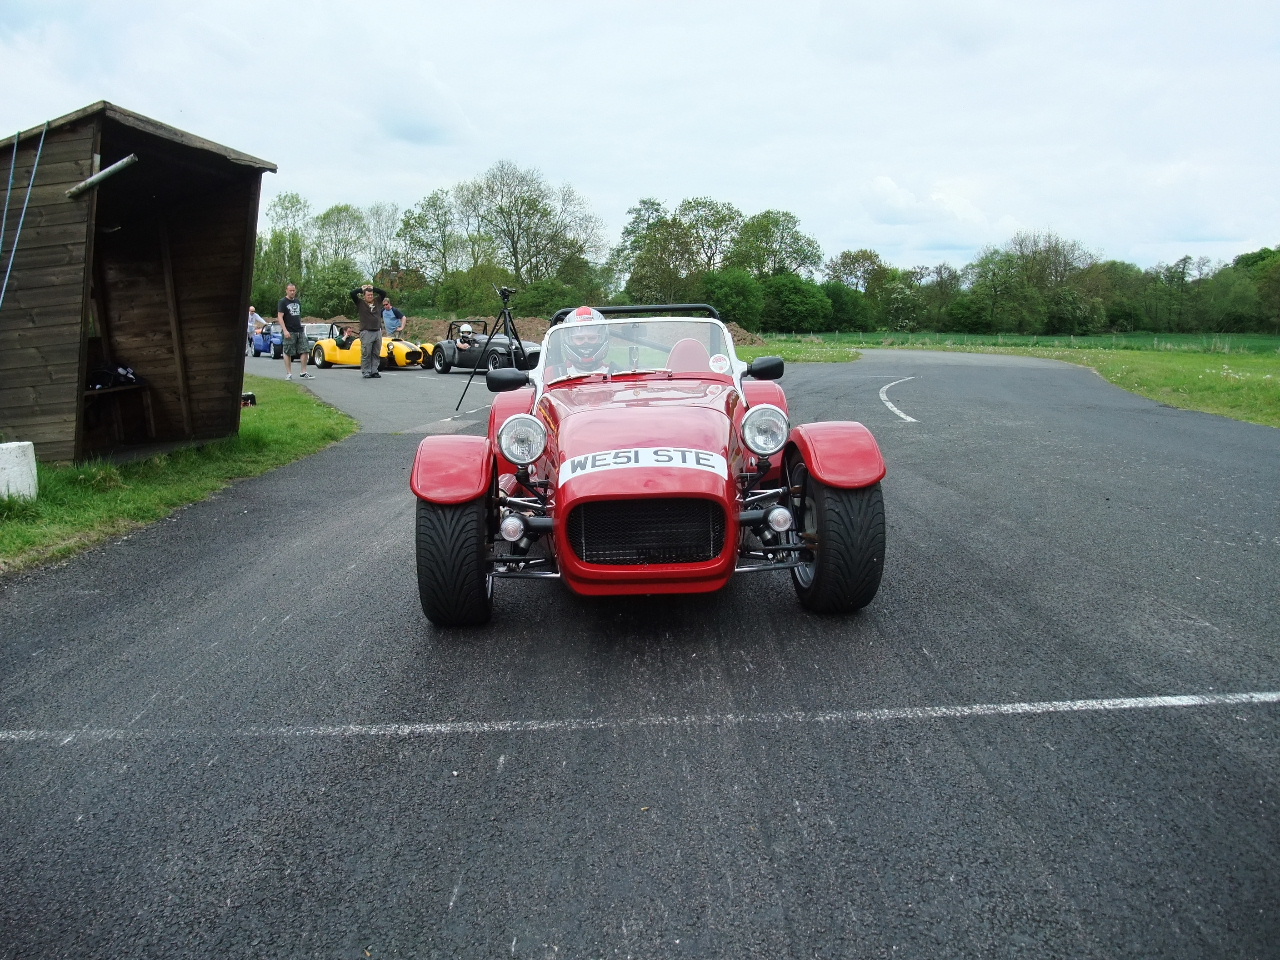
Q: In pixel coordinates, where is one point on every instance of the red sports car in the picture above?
(641, 456)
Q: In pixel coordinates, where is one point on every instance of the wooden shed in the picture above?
(148, 268)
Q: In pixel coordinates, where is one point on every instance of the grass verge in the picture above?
(1247, 387)
(84, 504)
(1223, 343)
(1235, 376)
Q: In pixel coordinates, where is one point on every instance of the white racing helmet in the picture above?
(465, 330)
(586, 345)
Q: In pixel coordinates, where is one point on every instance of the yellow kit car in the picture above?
(342, 350)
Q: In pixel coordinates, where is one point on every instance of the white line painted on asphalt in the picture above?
(464, 413)
(465, 727)
(885, 398)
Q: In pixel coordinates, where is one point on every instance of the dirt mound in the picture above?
(426, 330)
(744, 338)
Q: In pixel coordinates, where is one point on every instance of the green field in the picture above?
(1232, 375)
(84, 504)
(1222, 343)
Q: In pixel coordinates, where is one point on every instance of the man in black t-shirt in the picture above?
(289, 313)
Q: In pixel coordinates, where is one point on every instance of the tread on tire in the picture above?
(454, 585)
(849, 559)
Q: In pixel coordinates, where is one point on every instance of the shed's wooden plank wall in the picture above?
(207, 244)
(131, 274)
(41, 321)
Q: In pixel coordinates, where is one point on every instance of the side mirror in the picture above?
(504, 379)
(765, 368)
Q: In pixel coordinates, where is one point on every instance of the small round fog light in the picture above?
(778, 519)
(512, 528)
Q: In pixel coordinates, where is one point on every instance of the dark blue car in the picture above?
(269, 340)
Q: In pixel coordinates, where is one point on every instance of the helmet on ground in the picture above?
(586, 345)
(465, 330)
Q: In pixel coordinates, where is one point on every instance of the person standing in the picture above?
(392, 319)
(368, 300)
(255, 324)
(289, 315)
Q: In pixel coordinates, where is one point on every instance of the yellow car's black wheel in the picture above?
(317, 357)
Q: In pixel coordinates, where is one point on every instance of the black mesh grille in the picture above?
(647, 531)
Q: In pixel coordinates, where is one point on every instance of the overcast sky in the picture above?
(922, 129)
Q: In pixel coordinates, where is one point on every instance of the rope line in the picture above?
(13, 163)
(4, 288)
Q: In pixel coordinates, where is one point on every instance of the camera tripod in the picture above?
(508, 325)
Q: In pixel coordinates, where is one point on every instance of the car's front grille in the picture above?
(633, 532)
(412, 356)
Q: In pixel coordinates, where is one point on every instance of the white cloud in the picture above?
(922, 128)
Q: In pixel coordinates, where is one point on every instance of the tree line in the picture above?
(508, 227)
(511, 227)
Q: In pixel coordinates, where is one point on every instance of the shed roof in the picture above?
(147, 125)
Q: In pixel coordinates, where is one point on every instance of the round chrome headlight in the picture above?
(522, 439)
(765, 429)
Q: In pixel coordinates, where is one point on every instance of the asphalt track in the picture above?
(233, 733)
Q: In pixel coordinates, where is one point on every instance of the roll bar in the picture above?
(664, 308)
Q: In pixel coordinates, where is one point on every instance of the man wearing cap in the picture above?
(368, 300)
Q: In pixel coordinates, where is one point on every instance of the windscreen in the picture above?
(682, 346)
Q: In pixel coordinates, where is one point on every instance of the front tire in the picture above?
(317, 357)
(847, 531)
(495, 361)
(257, 352)
(454, 583)
(438, 361)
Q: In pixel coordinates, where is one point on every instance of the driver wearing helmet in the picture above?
(586, 347)
(466, 337)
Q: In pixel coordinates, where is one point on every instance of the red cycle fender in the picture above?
(840, 453)
(764, 391)
(452, 469)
